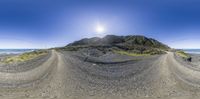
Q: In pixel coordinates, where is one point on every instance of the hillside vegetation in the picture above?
(24, 57)
(184, 55)
(132, 44)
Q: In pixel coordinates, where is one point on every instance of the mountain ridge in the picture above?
(120, 41)
(130, 44)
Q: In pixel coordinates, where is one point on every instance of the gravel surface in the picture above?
(195, 60)
(67, 76)
(24, 66)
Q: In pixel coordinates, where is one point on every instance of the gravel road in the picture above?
(65, 76)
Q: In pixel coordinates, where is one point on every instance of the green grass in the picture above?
(24, 57)
(182, 54)
(129, 53)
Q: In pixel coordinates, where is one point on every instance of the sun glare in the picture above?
(100, 29)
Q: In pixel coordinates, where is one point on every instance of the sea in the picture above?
(192, 51)
(14, 51)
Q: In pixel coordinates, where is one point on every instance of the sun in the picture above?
(100, 29)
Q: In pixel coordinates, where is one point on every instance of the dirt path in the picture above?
(27, 77)
(64, 77)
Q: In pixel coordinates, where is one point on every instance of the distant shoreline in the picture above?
(192, 51)
(14, 51)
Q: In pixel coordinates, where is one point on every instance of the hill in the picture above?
(132, 43)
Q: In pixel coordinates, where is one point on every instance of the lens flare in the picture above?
(100, 29)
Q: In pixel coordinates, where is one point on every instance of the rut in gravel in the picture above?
(70, 77)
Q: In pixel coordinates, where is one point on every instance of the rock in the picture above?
(189, 59)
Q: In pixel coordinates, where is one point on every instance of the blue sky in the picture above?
(51, 23)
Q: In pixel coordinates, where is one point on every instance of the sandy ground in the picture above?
(64, 75)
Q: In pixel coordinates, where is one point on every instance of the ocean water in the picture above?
(14, 51)
(192, 51)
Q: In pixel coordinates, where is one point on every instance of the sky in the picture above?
(55, 23)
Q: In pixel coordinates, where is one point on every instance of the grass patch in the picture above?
(182, 54)
(24, 57)
(129, 53)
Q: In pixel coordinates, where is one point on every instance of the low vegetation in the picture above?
(184, 55)
(129, 53)
(133, 45)
(24, 57)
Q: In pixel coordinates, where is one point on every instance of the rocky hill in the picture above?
(132, 43)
